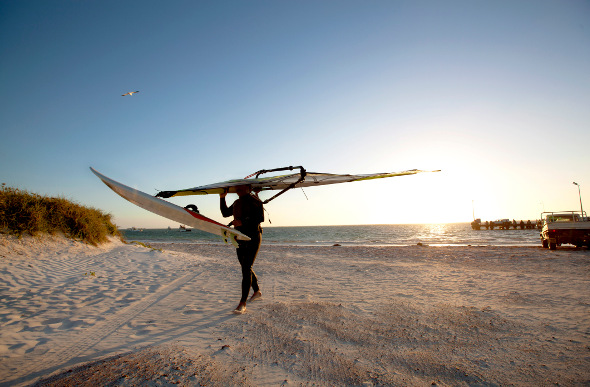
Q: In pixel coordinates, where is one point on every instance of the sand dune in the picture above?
(72, 314)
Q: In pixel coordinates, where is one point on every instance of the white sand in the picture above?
(127, 315)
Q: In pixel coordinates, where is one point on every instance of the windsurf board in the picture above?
(172, 211)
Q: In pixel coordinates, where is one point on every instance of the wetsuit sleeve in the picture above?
(225, 210)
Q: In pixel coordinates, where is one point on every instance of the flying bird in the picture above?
(130, 93)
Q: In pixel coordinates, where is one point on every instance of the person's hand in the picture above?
(223, 194)
(237, 223)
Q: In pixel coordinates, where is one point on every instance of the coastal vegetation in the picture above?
(22, 212)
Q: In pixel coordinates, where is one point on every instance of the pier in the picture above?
(507, 224)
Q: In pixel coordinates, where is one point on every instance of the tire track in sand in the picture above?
(74, 346)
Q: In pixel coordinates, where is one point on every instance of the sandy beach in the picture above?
(119, 314)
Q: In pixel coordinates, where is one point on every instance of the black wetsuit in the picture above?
(249, 211)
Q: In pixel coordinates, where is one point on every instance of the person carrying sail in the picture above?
(248, 213)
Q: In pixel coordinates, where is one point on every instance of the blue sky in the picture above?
(494, 93)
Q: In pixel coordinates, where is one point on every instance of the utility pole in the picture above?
(580, 194)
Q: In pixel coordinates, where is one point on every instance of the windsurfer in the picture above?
(248, 213)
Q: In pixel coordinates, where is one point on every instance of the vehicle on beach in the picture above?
(565, 227)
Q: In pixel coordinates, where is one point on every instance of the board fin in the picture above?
(229, 237)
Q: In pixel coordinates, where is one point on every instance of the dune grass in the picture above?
(22, 212)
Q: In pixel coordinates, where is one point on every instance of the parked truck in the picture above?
(565, 227)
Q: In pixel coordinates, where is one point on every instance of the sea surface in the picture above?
(453, 234)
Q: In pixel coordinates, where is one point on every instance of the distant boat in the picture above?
(184, 229)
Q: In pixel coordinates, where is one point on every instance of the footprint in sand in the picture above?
(192, 311)
(153, 288)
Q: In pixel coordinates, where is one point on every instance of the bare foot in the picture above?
(256, 296)
(241, 309)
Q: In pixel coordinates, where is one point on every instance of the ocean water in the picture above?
(454, 234)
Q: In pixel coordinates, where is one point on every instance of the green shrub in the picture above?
(22, 212)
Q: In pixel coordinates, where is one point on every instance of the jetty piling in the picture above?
(506, 224)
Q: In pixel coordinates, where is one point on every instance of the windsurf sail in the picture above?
(283, 182)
